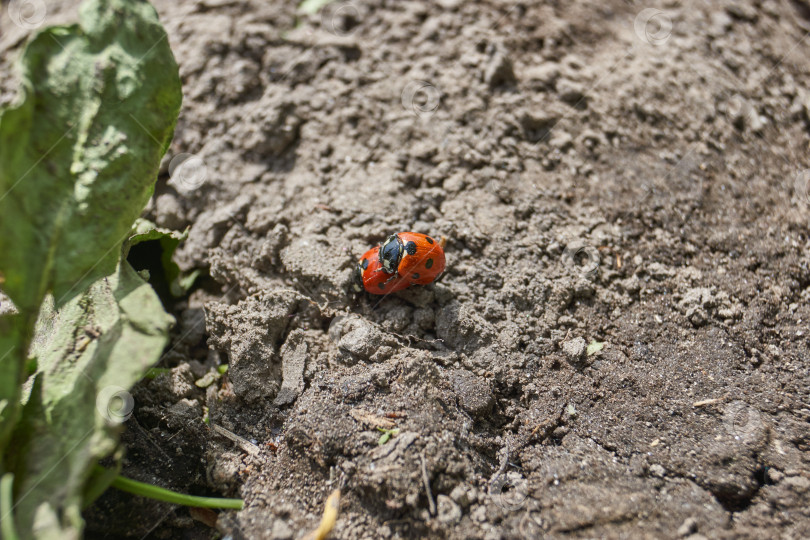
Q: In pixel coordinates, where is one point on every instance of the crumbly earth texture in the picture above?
(619, 345)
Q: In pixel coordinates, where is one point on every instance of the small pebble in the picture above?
(688, 527)
(560, 139)
(575, 349)
(570, 92)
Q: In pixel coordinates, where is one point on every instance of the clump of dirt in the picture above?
(619, 345)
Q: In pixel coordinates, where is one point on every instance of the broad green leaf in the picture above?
(90, 351)
(79, 153)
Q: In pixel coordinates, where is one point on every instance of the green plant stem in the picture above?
(6, 507)
(151, 373)
(166, 495)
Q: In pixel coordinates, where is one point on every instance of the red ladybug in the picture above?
(404, 259)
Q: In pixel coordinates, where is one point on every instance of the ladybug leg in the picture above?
(381, 270)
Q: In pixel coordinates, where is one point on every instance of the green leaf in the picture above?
(90, 351)
(12, 371)
(7, 527)
(145, 231)
(594, 347)
(208, 379)
(184, 282)
(79, 153)
(386, 435)
(311, 7)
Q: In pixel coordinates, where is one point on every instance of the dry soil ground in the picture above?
(606, 172)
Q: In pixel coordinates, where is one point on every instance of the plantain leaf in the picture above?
(90, 352)
(79, 154)
(80, 151)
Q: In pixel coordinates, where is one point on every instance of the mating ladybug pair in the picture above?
(404, 259)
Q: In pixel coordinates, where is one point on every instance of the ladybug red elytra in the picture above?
(404, 259)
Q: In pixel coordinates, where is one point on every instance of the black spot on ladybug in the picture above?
(429, 239)
(381, 285)
(416, 276)
(429, 263)
(364, 264)
(410, 248)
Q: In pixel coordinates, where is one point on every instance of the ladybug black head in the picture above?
(391, 254)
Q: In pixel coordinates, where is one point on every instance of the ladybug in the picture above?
(404, 259)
